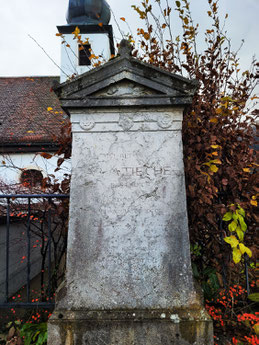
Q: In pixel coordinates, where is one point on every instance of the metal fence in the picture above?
(29, 202)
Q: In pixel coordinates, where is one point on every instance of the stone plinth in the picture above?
(159, 327)
(129, 278)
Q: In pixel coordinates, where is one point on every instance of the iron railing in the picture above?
(49, 303)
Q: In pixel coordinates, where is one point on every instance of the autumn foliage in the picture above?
(219, 127)
(219, 139)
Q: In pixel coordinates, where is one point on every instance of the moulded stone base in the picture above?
(188, 326)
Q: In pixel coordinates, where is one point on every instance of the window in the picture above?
(84, 55)
(31, 178)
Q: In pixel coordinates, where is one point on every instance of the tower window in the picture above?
(31, 178)
(84, 55)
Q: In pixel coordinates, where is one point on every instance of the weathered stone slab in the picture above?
(128, 243)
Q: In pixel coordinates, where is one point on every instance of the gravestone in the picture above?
(129, 278)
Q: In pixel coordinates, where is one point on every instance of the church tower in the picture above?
(82, 49)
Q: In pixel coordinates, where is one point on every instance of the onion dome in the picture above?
(88, 12)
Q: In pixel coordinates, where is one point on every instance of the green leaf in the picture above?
(213, 281)
(228, 216)
(232, 226)
(208, 271)
(195, 271)
(242, 223)
(254, 297)
(241, 210)
(178, 4)
(35, 335)
(235, 217)
(40, 340)
(28, 338)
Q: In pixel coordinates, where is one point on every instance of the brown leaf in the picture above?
(46, 155)
(224, 181)
(11, 332)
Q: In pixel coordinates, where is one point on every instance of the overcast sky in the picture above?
(20, 56)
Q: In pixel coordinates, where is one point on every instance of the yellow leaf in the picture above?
(214, 168)
(208, 176)
(76, 32)
(214, 120)
(30, 132)
(240, 235)
(253, 202)
(236, 255)
(218, 110)
(215, 146)
(232, 226)
(256, 328)
(216, 161)
(123, 19)
(58, 35)
(246, 170)
(49, 108)
(232, 240)
(215, 153)
(244, 249)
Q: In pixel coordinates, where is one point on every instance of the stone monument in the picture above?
(129, 277)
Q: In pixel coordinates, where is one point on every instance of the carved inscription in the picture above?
(144, 171)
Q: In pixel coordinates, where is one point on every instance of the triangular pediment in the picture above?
(125, 78)
(126, 88)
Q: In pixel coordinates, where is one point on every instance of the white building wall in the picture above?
(11, 166)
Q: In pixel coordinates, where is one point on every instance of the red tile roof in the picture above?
(24, 115)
